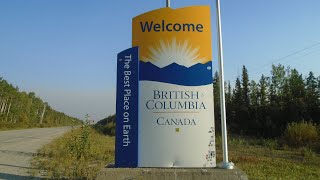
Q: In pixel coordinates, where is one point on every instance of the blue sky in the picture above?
(65, 51)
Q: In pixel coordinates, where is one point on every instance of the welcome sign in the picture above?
(175, 102)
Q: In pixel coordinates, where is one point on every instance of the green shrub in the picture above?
(73, 157)
(79, 144)
(301, 134)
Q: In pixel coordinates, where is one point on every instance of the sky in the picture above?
(65, 51)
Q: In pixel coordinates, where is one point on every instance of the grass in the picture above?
(264, 159)
(258, 158)
(74, 157)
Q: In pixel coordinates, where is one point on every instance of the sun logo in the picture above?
(182, 53)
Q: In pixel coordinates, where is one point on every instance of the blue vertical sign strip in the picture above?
(127, 109)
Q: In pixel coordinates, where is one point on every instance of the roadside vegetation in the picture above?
(275, 123)
(19, 110)
(274, 126)
(275, 158)
(79, 154)
(294, 155)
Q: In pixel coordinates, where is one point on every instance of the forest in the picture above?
(265, 108)
(25, 110)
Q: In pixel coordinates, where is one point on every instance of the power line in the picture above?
(293, 59)
(303, 66)
(289, 55)
(312, 52)
(285, 57)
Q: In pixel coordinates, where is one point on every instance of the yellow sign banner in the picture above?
(170, 35)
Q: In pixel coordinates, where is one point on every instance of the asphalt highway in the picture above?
(17, 147)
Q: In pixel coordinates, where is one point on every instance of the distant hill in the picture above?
(107, 125)
(25, 110)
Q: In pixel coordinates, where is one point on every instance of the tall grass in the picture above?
(79, 154)
(267, 159)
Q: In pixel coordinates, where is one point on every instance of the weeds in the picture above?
(265, 159)
(79, 154)
(80, 144)
(301, 134)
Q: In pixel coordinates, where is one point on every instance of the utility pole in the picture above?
(225, 164)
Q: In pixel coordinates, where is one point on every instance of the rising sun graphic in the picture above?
(182, 53)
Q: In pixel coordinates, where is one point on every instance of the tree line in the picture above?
(265, 108)
(21, 109)
(261, 108)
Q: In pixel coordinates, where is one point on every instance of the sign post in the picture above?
(225, 164)
(168, 3)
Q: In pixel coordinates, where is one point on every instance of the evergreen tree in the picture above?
(312, 97)
(274, 122)
(297, 105)
(245, 86)
(244, 111)
(228, 95)
(266, 108)
(263, 91)
(253, 124)
(229, 104)
(216, 89)
(216, 97)
(318, 83)
(277, 82)
(254, 95)
(237, 124)
(237, 94)
(230, 91)
(263, 120)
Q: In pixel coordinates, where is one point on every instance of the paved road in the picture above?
(18, 146)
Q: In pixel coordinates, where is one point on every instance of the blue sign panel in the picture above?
(127, 109)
